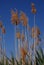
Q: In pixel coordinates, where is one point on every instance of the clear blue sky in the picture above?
(24, 5)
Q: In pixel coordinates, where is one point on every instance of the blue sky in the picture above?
(25, 6)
